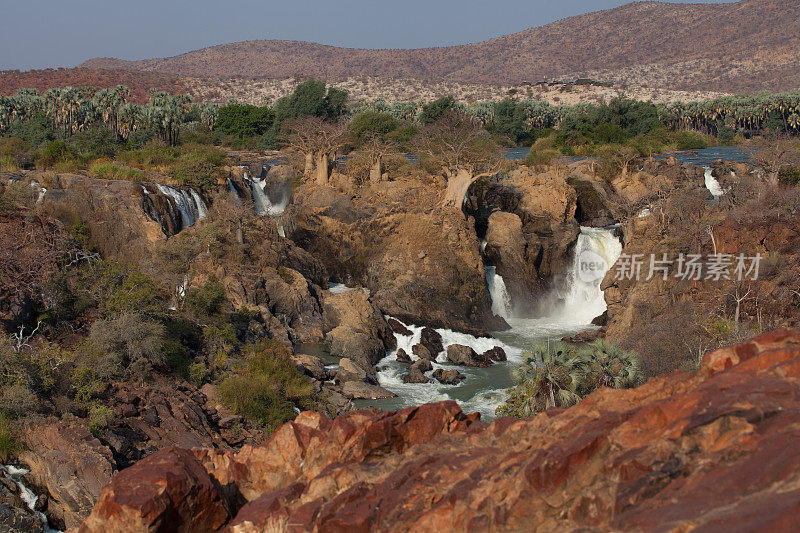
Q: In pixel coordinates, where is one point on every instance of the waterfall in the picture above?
(712, 184)
(501, 300)
(595, 253)
(190, 205)
(263, 204)
(27, 496)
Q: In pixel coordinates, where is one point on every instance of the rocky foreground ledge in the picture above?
(717, 449)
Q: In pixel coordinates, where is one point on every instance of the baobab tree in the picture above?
(462, 150)
(317, 139)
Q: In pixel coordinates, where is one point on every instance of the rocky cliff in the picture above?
(713, 450)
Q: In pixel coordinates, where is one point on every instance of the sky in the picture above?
(63, 33)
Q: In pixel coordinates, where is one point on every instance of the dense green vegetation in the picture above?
(101, 131)
(557, 375)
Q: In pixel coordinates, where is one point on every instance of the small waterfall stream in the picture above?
(26, 495)
(189, 204)
(501, 300)
(595, 252)
(712, 184)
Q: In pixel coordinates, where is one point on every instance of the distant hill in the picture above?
(138, 82)
(747, 46)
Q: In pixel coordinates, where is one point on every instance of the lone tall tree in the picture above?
(463, 151)
(318, 140)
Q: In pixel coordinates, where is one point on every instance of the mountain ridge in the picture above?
(745, 46)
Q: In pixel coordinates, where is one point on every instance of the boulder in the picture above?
(423, 365)
(358, 390)
(432, 340)
(495, 354)
(311, 365)
(415, 376)
(355, 328)
(448, 377)
(70, 463)
(421, 352)
(402, 356)
(398, 327)
(459, 354)
(177, 489)
(352, 371)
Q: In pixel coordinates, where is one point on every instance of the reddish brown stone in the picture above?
(715, 450)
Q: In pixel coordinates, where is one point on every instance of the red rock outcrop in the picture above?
(714, 450)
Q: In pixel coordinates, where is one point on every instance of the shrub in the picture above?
(18, 399)
(244, 120)
(17, 195)
(266, 386)
(128, 341)
(208, 299)
(9, 440)
(58, 156)
(690, 140)
(109, 170)
(121, 288)
(197, 373)
(100, 417)
(789, 175)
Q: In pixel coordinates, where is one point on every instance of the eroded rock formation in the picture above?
(709, 449)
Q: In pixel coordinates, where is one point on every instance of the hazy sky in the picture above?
(52, 33)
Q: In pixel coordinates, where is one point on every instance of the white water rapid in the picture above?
(712, 184)
(25, 494)
(190, 205)
(571, 310)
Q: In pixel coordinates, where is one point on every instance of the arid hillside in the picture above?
(746, 46)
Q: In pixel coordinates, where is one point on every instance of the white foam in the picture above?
(501, 300)
(712, 184)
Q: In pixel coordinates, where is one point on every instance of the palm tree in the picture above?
(608, 365)
(549, 377)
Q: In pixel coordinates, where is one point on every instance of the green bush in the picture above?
(9, 440)
(100, 417)
(690, 140)
(789, 175)
(120, 288)
(266, 386)
(244, 120)
(108, 170)
(208, 300)
(197, 373)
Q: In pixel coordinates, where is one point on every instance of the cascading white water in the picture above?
(190, 205)
(501, 300)
(263, 205)
(712, 184)
(25, 494)
(595, 252)
(481, 391)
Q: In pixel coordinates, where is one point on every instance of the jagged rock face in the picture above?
(597, 204)
(115, 212)
(75, 465)
(421, 261)
(355, 328)
(640, 305)
(684, 451)
(531, 252)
